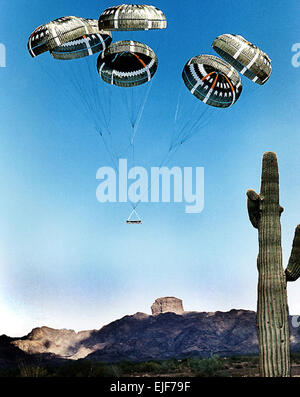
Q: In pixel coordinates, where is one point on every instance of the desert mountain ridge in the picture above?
(169, 332)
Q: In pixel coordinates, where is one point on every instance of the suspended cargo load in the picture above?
(127, 64)
(136, 221)
(62, 30)
(83, 46)
(132, 17)
(212, 80)
(244, 56)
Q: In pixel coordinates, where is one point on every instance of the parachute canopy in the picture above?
(127, 64)
(83, 46)
(132, 17)
(248, 59)
(58, 32)
(212, 80)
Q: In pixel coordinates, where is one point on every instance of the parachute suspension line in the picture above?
(112, 156)
(132, 104)
(73, 79)
(178, 130)
(95, 98)
(79, 87)
(126, 95)
(167, 158)
(129, 101)
(141, 112)
(176, 117)
(109, 99)
(126, 102)
(135, 127)
(136, 111)
(171, 151)
(108, 95)
(109, 148)
(183, 137)
(86, 93)
(113, 159)
(54, 77)
(191, 117)
(99, 109)
(135, 105)
(133, 164)
(96, 105)
(177, 107)
(94, 92)
(188, 129)
(200, 124)
(91, 106)
(86, 106)
(110, 152)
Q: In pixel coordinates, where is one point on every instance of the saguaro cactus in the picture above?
(272, 309)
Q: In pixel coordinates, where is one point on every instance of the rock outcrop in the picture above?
(13, 357)
(167, 304)
(63, 343)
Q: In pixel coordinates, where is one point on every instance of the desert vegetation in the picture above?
(236, 366)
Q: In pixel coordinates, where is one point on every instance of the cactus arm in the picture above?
(270, 179)
(292, 271)
(253, 204)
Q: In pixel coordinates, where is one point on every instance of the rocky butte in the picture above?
(167, 304)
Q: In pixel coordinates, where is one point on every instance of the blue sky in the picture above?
(68, 261)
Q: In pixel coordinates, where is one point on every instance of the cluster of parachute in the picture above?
(125, 63)
(214, 81)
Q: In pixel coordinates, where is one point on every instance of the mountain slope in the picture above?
(142, 337)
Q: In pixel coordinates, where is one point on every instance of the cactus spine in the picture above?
(272, 309)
